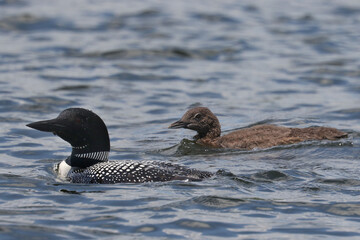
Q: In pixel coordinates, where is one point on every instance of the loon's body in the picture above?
(202, 120)
(129, 172)
(88, 162)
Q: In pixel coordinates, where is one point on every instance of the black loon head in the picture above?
(84, 130)
(200, 119)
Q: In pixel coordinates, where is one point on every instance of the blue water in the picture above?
(140, 65)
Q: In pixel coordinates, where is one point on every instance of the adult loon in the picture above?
(207, 125)
(88, 162)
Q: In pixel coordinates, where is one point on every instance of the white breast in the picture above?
(63, 170)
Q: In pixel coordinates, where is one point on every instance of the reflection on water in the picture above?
(140, 65)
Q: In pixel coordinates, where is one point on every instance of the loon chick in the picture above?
(207, 125)
(88, 162)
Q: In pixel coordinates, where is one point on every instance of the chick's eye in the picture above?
(197, 116)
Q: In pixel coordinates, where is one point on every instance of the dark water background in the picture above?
(140, 65)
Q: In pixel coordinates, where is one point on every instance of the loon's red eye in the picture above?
(78, 120)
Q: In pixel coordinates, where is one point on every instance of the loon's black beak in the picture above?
(53, 125)
(179, 124)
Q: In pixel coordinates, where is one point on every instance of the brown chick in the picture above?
(207, 125)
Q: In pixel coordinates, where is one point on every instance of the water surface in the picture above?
(140, 65)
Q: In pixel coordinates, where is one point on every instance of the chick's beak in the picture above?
(178, 124)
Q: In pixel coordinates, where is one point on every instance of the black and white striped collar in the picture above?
(80, 147)
(100, 156)
(87, 159)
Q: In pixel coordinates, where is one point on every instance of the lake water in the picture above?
(140, 65)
